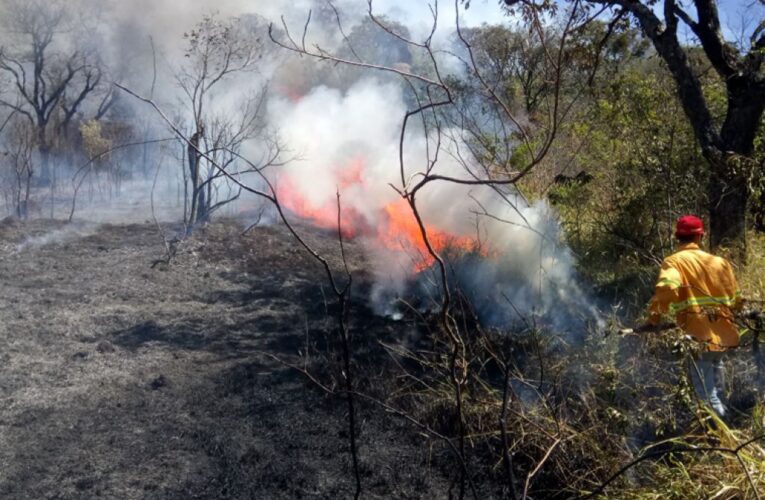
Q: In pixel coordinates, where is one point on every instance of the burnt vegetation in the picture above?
(338, 255)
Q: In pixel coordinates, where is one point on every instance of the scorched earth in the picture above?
(122, 376)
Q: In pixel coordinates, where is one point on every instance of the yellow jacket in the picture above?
(700, 290)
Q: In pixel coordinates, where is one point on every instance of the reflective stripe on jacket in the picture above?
(700, 290)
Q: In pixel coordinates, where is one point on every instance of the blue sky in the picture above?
(733, 13)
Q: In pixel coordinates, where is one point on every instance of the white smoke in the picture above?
(347, 138)
(524, 270)
(66, 234)
(327, 129)
(167, 20)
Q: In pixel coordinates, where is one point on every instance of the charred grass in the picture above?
(189, 380)
(119, 380)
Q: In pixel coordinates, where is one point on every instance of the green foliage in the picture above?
(646, 170)
(512, 63)
(757, 179)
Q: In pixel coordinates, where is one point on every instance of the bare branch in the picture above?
(323, 55)
(339, 27)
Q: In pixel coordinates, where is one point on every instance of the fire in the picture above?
(290, 92)
(396, 227)
(401, 230)
(325, 215)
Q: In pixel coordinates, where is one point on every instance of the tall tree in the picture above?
(726, 144)
(46, 79)
(512, 62)
(217, 50)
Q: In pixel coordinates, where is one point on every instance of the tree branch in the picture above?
(723, 56)
(689, 88)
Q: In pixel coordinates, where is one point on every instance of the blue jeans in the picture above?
(708, 380)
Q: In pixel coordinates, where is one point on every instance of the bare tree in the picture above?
(21, 142)
(216, 51)
(46, 74)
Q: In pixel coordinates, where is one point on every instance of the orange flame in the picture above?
(396, 228)
(401, 230)
(325, 215)
(291, 92)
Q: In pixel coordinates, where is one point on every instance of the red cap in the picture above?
(689, 225)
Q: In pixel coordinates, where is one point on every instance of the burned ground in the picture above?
(123, 380)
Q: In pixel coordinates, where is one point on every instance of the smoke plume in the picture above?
(343, 129)
(506, 256)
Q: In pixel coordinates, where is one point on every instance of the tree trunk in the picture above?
(17, 198)
(44, 149)
(202, 207)
(728, 196)
(27, 190)
(193, 159)
(730, 168)
(728, 152)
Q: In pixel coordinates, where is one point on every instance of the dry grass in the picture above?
(578, 415)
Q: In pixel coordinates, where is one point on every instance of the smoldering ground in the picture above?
(124, 381)
(119, 379)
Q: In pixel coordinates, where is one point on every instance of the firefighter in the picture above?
(700, 290)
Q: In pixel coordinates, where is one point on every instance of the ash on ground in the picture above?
(123, 380)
